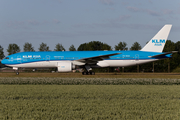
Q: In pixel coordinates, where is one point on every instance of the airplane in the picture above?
(66, 61)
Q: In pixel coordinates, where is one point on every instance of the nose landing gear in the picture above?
(16, 69)
(17, 73)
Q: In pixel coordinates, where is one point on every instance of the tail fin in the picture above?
(156, 44)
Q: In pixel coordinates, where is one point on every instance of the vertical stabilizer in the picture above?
(156, 44)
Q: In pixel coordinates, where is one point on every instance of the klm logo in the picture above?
(158, 42)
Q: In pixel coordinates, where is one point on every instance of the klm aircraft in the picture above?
(65, 61)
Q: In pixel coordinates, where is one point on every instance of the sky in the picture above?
(80, 21)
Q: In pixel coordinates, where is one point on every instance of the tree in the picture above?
(121, 46)
(106, 47)
(43, 47)
(169, 46)
(176, 56)
(135, 46)
(1, 55)
(177, 46)
(59, 47)
(13, 48)
(1, 52)
(94, 45)
(72, 48)
(28, 47)
(82, 47)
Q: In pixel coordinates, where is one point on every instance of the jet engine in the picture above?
(65, 66)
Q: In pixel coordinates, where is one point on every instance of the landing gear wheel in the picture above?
(84, 73)
(93, 73)
(88, 73)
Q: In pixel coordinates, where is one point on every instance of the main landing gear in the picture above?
(88, 71)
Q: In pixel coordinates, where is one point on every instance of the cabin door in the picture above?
(136, 57)
(19, 59)
(47, 58)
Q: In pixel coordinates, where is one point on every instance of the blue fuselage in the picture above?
(34, 57)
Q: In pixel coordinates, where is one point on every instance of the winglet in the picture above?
(156, 44)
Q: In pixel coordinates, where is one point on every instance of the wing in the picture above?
(95, 59)
(159, 55)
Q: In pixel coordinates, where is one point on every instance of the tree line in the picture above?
(93, 45)
(160, 66)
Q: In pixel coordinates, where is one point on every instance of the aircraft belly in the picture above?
(120, 63)
(123, 63)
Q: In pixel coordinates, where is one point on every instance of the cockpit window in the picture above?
(7, 58)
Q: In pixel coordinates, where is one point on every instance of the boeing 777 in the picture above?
(65, 61)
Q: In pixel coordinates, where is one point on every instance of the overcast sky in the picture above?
(79, 21)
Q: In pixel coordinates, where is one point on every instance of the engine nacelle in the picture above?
(64, 66)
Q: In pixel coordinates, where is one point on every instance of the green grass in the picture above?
(177, 70)
(90, 102)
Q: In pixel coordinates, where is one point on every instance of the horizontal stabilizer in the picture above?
(166, 53)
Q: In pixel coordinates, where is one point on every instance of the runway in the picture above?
(97, 75)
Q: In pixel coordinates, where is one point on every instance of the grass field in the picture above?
(94, 102)
(59, 96)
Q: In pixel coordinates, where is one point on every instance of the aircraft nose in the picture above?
(3, 61)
